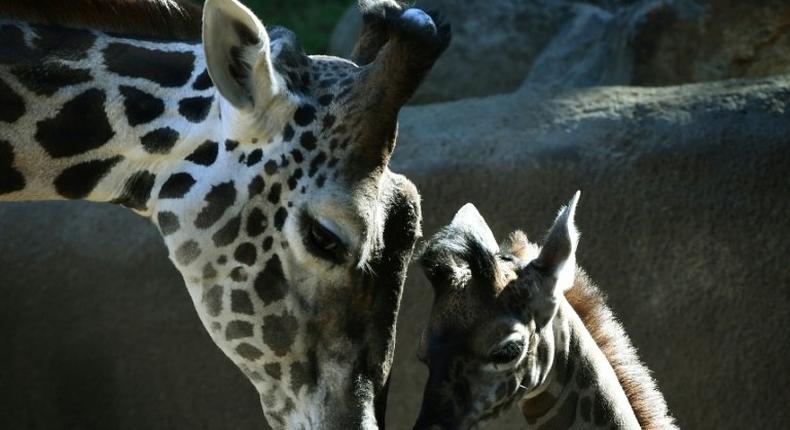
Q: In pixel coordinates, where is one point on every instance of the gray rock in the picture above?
(499, 45)
(684, 224)
(494, 44)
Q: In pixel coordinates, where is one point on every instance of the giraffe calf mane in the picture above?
(157, 19)
(646, 400)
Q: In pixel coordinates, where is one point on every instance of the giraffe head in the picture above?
(489, 341)
(292, 234)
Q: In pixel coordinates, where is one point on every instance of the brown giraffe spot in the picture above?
(188, 252)
(10, 179)
(270, 283)
(212, 299)
(168, 222)
(77, 181)
(12, 105)
(274, 370)
(240, 302)
(140, 107)
(166, 68)
(238, 330)
(248, 352)
(218, 200)
(279, 332)
(205, 154)
(177, 186)
(80, 125)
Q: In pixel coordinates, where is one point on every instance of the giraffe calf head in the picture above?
(489, 340)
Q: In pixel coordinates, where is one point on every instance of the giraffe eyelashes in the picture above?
(507, 353)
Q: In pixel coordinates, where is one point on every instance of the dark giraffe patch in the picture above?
(256, 186)
(228, 233)
(602, 413)
(77, 181)
(297, 155)
(168, 222)
(288, 133)
(245, 254)
(240, 302)
(218, 200)
(303, 375)
(270, 167)
(140, 107)
(329, 121)
(279, 218)
(80, 126)
(160, 140)
(279, 332)
(308, 140)
(212, 299)
(274, 193)
(45, 79)
(267, 243)
(137, 191)
(316, 163)
(10, 179)
(205, 154)
(273, 370)
(230, 145)
(203, 81)
(255, 157)
(195, 109)
(168, 69)
(12, 45)
(270, 283)
(248, 352)
(256, 223)
(177, 186)
(238, 330)
(304, 115)
(209, 272)
(61, 42)
(12, 105)
(293, 180)
(326, 99)
(319, 182)
(238, 274)
(187, 252)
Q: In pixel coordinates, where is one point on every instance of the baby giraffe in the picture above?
(521, 323)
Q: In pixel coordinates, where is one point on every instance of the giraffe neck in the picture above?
(581, 389)
(94, 116)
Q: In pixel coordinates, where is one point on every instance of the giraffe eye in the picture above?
(322, 242)
(507, 353)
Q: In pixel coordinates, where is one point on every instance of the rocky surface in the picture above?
(501, 44)
(683, 217)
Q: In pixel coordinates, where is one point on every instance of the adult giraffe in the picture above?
(264, 169)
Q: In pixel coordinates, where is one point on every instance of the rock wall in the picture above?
(499, 45)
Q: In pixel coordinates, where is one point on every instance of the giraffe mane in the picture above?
(156, 19)
(648, 403)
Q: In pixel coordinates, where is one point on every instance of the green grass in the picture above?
(311, 20)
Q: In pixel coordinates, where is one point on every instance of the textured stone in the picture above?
(499, 45)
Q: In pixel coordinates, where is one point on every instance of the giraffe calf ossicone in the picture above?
(520, 323)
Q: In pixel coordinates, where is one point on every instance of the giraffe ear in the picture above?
(238, 54)
(469, 219)
(557, 258)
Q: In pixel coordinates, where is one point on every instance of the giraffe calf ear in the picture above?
(238, 55)
(557, 258)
